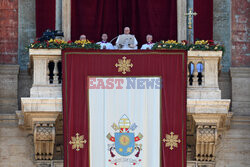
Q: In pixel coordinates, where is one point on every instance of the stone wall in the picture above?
(8, 31)
(240, 33)
(8, 88)
(234, 147)
(16, 145)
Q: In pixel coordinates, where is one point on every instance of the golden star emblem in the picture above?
(171, 140)
(77, 142)
(124, 65)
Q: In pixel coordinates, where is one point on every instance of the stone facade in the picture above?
(241, 90)
(231, 27)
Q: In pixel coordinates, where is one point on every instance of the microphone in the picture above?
(114, 38)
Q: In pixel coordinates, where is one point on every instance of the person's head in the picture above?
(83, 37)
(126, 30)
(104, 37)
(149, 38)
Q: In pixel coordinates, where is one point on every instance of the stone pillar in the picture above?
(181, 20)
(222, 29)
(66, 21)
(240, 90)
(26, 30)
(8, 88)
(58, 14)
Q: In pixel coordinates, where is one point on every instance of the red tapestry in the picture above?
(79, 64)
(45, 16)
(94, 17)
(203, 22)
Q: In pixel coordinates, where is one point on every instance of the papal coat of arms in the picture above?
(125, 145)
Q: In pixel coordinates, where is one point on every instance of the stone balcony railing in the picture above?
(46, 67)
(207, 113)
(202, 80)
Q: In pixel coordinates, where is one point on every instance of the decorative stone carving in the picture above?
(44, 140)
(208, 129)
(205, 142)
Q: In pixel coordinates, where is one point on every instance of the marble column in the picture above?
(58, 14)
(181, 20)
(66, 21)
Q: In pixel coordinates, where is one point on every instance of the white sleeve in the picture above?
(143, 47)
(135, 41)
(110, 46)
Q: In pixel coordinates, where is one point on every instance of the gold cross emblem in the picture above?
(171, 140)
(77, 142)
(124, 65)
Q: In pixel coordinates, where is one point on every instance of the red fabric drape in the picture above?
(79, 64)
(94, 17)
(45, 16)
(203, 22)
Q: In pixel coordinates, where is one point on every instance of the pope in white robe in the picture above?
(149, 44)
(126, 41)
(104, 44)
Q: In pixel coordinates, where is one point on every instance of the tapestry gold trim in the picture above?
(124, 65)
(77, 142)
(171, 140)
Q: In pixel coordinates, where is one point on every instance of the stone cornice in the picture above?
(240, 72)
(6, 69)
(45, 52)
(199, 53)
(208, 106)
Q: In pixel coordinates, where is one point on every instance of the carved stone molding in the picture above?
(44, 140)
(208, 127)
(39, 117)
(205, 142)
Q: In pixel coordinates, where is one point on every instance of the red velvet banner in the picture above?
(79, 64)
(203, 22)
(94, 17)
(45, 16)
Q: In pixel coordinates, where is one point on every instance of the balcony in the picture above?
(207, 114)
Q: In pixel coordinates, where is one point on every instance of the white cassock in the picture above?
(147, 46)
(125, 41)
(105, 45)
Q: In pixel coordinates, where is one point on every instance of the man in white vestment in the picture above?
(149, 44)
(83, 37)
(126, 41)
(104, 44)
